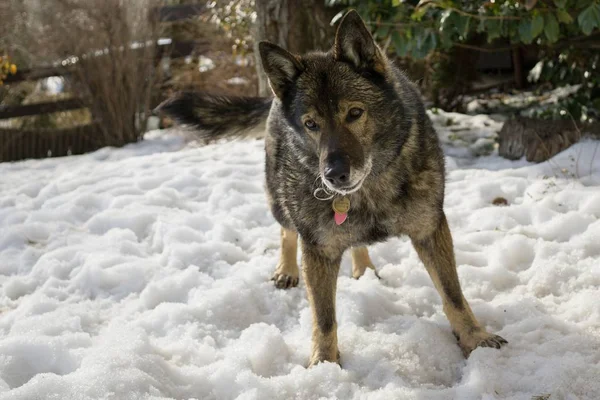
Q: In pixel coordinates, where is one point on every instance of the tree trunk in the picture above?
(517, 57)
(296, 25)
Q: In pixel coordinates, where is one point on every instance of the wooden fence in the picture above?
(19, 144)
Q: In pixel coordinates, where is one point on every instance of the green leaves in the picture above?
(382, 32)
(426, 41)
(462, 25)
(564, 16)
(454, 27)
(417, 43)
(551, 28)
(529, 4)
(531, 28)
(589, 18)
(418, 14)
(416, 30)
(582, 3)
(401, 43)
(525, 31)
(537, 25)
(493, 29)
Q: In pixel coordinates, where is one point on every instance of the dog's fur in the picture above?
(395, 179)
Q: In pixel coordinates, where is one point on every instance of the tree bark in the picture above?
(296, 25)
(517, 57)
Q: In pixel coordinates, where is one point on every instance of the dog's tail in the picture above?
(215, 117)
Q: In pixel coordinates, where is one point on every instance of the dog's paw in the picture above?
(284, 281)
(479, 338)
(318, 358)
(359, 270)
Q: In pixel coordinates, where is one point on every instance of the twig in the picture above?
(579, 41)
(467, 14)
(579, 152)
(593, 157)
(477, 16)
(387, 44)
(398, 24)
(487, 49)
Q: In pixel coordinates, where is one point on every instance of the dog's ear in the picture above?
(355, 45)
(282, 68)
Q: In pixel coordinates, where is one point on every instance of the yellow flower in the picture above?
(13, 69)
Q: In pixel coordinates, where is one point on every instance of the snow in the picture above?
(526, 103)
(143, 273)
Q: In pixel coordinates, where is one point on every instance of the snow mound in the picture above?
(143, 273)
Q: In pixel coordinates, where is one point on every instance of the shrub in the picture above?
(6, 68)
(561, 29)
(109, 48)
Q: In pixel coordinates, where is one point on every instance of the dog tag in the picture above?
(341, 206)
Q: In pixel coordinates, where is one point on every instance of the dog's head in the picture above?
(338, 103)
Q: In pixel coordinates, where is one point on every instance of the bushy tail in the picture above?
(215, 117)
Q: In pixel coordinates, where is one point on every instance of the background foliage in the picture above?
(564, 32)
(236, 18)
(417, 29)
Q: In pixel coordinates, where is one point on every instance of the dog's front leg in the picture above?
(286, 273)
(436, 252)
(320, 271)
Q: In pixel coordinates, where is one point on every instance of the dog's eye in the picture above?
(354, 114)
(310, 124)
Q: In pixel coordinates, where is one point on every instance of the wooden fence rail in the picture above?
(23, 110)
(19, 144)
(37, 73)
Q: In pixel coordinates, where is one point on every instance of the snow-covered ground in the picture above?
(143, 273)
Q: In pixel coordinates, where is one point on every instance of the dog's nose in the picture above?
(337, 171)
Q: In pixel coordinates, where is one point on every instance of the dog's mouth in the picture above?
(344, 190)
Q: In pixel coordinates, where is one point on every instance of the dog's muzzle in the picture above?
(339, 177)
(337, 171)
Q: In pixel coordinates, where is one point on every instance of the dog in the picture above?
(351, 159)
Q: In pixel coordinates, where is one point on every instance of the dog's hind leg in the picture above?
(436, 252)
(286, 273)
(320, 272)
(361, 261)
